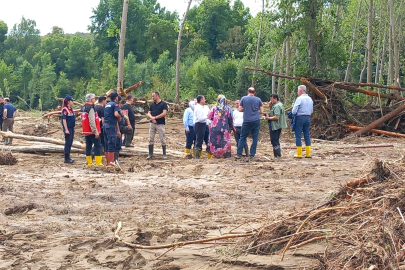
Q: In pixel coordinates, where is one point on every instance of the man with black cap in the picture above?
(156, 114)
(9, 112)
(110, 128)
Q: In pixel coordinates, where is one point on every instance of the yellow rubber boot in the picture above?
(201, 154)
(209, 156)
(89, 161)
(188, 151)
(99, 160)
(193, 152)
(308, 151)
(299, 152)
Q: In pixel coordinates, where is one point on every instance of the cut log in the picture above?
(379, 121)
(125, 151)
(40, 139)
(44, 148)
(132, 88)
(377, 131)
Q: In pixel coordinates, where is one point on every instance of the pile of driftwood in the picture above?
(6, 158)
(336, 113)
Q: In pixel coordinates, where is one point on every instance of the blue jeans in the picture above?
(248, 127)
(302, 124)
(190, 137)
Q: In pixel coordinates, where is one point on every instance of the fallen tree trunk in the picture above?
(44, 148)
(47, 148)
(374, 85)
(40, 139)
(366, 92)
(125, 151)
(377, 131)
(132, 88)
(379, 121)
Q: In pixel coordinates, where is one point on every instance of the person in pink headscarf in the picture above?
(221, 128)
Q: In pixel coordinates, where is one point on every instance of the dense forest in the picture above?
(343, 40)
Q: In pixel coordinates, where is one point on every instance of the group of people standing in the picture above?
(105, 124)
(216, 126)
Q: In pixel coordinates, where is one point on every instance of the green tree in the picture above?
(22, 36)
(79, 58)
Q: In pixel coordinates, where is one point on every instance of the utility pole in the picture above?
(120, 80)
(176, 100)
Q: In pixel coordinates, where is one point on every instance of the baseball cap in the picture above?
(113, 95)
(69, 98)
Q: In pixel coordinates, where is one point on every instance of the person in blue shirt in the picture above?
(188, 123)
(111, 129)
(251, 107)
(68, 124)
(302, 110)
(9, 112)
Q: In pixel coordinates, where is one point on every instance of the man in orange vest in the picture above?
(91, 130)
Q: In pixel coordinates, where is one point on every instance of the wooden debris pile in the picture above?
(361, 227)
(6, 158)
(336, 113)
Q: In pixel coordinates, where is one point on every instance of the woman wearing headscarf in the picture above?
(221, 127)
(189, 126)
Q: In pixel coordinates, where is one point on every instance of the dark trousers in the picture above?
(68, 142)
(126, 135)
(275, 140)
(90, 141)
(248, 127)
(200, 131)
(302, 124)
(110, 137)
(190, 137)
(130, 135)
(1, 122)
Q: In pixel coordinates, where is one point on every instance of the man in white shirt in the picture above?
(200, 124)
(237, 122)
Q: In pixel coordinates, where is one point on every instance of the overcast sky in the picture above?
(73, 15)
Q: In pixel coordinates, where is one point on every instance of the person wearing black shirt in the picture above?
(127, 108)
(156, 114)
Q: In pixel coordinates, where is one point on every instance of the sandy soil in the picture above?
(61, 216)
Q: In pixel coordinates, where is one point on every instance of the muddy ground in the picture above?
(61, 216)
